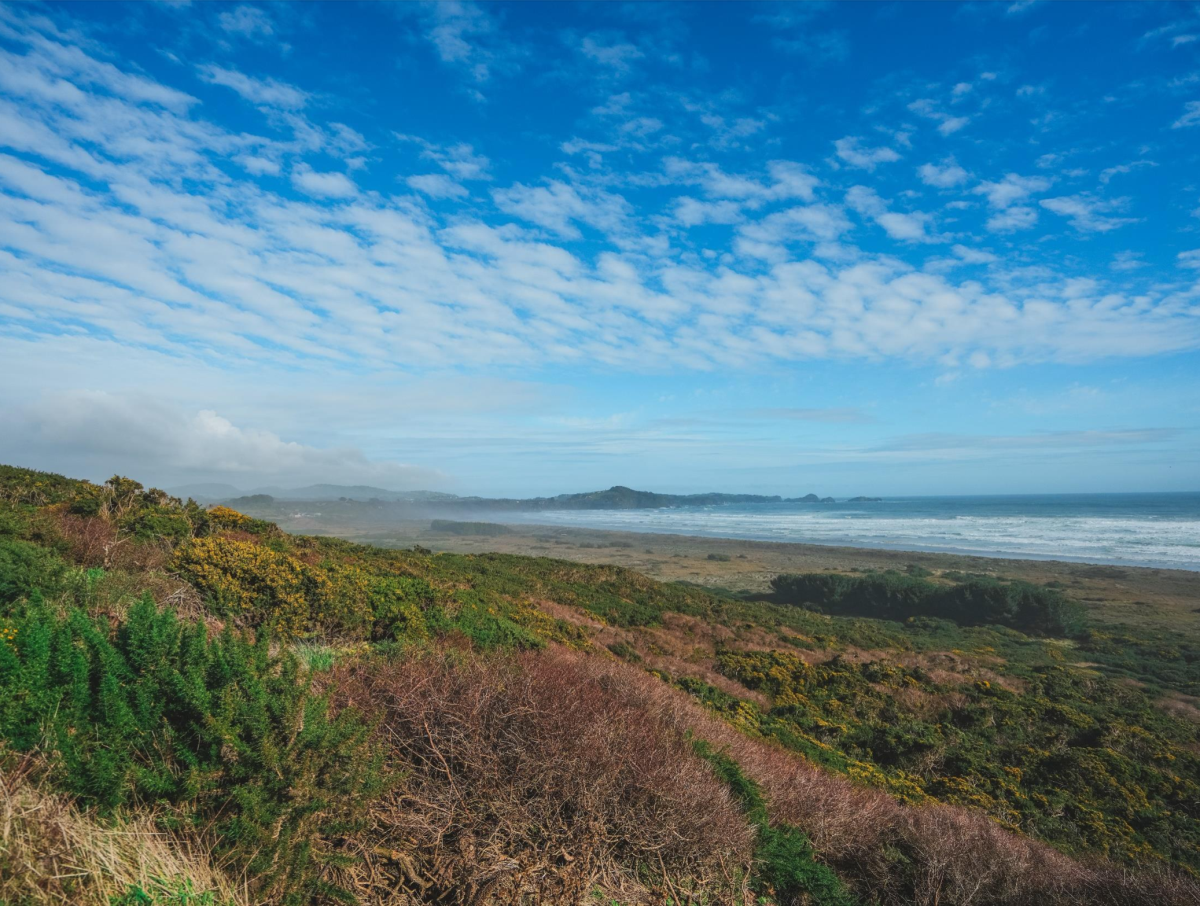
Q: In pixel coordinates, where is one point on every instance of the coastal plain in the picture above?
(1146, 597)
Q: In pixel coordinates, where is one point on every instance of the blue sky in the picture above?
(533, 248)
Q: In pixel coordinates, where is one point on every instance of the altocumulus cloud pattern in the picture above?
(506, 189)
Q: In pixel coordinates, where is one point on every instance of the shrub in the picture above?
(399, 605)
(262, 586)
(1072, 765)
(974, 602)
(26, 568)
(933, 855)
(172, 527)
(537, 777)
(483, 620)
(217, 728)
(485, 529)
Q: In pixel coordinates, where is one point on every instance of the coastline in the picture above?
(1147, 596)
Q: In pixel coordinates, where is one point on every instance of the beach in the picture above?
(1140, 596)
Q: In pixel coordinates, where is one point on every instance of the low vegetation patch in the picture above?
(482, 529)
(898, 596)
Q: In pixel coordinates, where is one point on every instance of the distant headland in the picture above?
(617, 497)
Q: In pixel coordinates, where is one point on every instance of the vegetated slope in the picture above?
(307, 720)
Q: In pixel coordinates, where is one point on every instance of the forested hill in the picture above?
(197, 707)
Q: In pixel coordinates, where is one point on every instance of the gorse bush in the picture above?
(223, 733)
(226, 518)
(246, 579)
(974, 602)
(25, 567)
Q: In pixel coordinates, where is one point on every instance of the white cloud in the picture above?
(259, 166)
(1127, 261)
(1191, 116)
(1020, 7)
(1189, 258)
(437, 185)
(1107, 174)
(1010, 220)
(265, 92)
(122, 220)
(690, 212)
(767, 237)
(796, 32)
(948, 124)
(790, 180)
(558, 206)
(850, 150)
(618, 56)
(909, 227)
(323, 185)
(465, 34)
(1011, 189)
(1086, 213)
(787, 180)
(832, 415)
(99, 433)
(943, 176)
(247, 21)
(973, 256)
(459, 160)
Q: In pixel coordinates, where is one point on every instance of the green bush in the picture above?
(172, 526)
(217, 728)
(26, 568)
(399, 604)
(483, 529)
(974, 602)
(483, 620)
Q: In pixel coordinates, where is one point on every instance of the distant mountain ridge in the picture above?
(212, 492)
(617, 497)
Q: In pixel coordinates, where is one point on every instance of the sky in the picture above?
(518, 249)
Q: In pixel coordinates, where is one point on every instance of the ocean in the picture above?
(1160, 530)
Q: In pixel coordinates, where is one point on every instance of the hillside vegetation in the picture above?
(196, 707)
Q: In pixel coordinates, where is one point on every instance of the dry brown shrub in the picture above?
(540, 778)
(1184, 707)
(90, 539)
(52, 853)
(576, 616)
(543, 777)
(94, 541)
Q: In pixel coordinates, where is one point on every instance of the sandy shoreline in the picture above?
(1146, 596)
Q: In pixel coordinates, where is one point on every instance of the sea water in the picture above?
(1160, 530)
